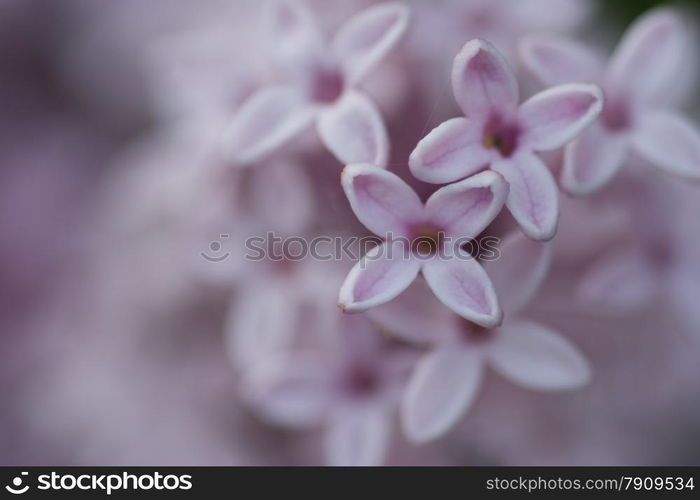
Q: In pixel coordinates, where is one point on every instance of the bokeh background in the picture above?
(114, 332)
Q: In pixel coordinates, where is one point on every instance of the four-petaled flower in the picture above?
(446, 380)
(352, 387)
(498, 133)
(638, 82)
(422, 238)
(323, 81)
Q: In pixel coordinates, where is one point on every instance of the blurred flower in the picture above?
(501, 22)
(323, 80)
(635, 117)
(352, 387)
(285, 303)
(653, 258)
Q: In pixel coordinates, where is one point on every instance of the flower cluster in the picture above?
(528, 289)
(428, 326)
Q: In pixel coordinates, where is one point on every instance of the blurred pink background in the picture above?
(121, 344)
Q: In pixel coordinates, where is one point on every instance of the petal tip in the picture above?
(570, 184)
(351, 171)
(494, 179)
(350, 307)
(577, 189)
(543, 235)
(493, 320)
(416, 433)
(473, 46)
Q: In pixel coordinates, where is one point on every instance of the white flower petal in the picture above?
(482, 81)
(357, 436)
(295, 41)
(382, 274)
(266, 121)
(592, 160)
(555, 60)
(443, 386)
(353, 130)
(461, 284)
(669, 141)
(557, 115)
(648, 58)
(535, 357)
(465, 208)
(451, 151)
(533, 199)
(367, 37)
(381, 200)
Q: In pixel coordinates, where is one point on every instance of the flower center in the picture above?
(426, 239)
(326, 85)
(616, 115)
(501, 135)
(361, 381)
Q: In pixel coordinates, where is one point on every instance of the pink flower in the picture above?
(445, 381)
(653, 260)
(352, 387)
(498, 133)
(638, 82)
(323, 81)
(422, 238)
(284, 301)
(502, 23)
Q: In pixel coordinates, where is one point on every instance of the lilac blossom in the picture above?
(652, 258)
(132, 296)
(447, 379)
(501, 22)
(639, 82)
(322, 86)
(499, 134)
(417, 241)
(285, 302)
(352, 387)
